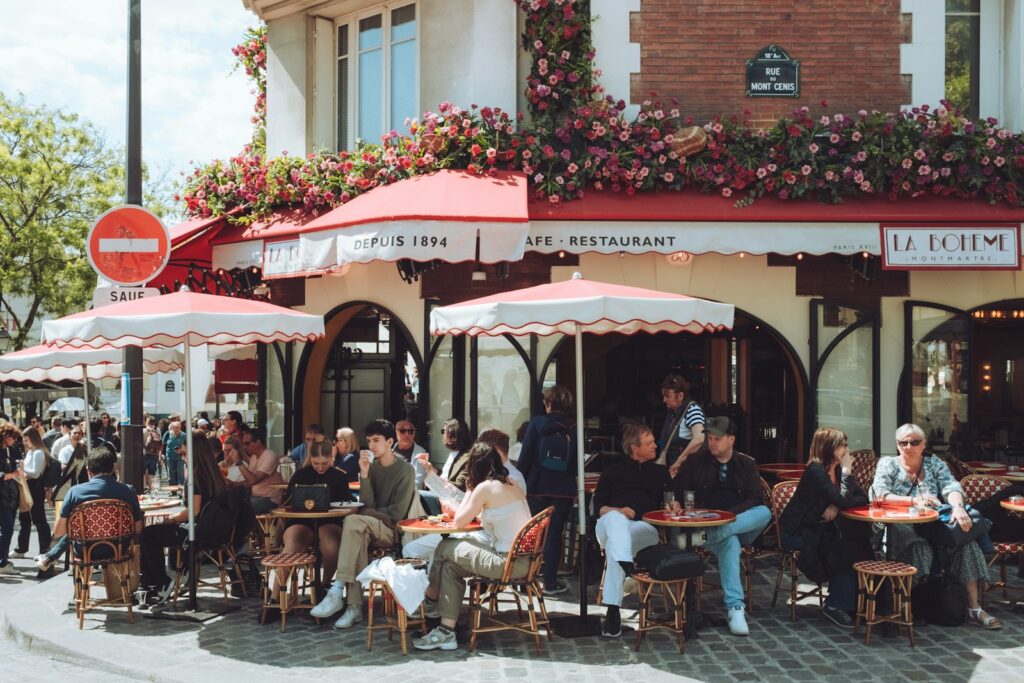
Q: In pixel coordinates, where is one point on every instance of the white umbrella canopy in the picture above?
(188, 318)
(45, 363)
(573, 307)
(68, 404)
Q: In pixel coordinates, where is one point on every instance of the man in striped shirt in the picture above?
(683, 431)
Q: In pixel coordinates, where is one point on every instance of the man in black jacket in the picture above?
(625, 492)
(724, 479)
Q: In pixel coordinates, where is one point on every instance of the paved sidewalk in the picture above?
(37, 618)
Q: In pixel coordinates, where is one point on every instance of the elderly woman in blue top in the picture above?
(912, 478)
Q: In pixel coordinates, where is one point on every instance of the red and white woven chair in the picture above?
(528, 543)
(978, 487)
(781, 495)
(102, 532)
(864, 464)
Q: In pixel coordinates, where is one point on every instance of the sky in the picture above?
(72, 55)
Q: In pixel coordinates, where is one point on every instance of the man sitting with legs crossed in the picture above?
(625, 492)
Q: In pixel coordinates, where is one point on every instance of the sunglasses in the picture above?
(406, 431)
(909, 442)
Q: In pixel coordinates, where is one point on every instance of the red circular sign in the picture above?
(128, 245)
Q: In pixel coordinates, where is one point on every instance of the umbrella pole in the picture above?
(190, 480)
(580, 490)
(85, 397)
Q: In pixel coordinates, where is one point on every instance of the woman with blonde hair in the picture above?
(346, 453)
(828, 545)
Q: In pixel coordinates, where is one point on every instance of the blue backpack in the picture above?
(555, 447)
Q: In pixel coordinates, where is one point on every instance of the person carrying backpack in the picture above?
(548, 461)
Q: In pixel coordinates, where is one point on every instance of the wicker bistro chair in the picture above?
(528, 543)
(978, 487)
(102, 533)
(872, 575)
(864, 464)
(781, 495)
(394, 615)
(287, 567)
(217, 557)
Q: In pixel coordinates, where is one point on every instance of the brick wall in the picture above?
(696, 51)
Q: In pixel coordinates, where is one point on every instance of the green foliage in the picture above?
(57, 175)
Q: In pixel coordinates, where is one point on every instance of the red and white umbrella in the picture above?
(44, 363)
(188, 318)
(574, 307)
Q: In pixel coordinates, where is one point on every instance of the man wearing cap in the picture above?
(724, 479)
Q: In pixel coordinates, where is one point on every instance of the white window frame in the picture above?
(352, 20)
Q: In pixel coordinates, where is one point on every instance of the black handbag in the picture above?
(948, 534)
(311, 497)
(668, 563)
(940, 601)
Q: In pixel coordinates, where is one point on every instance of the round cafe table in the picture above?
(278, 487)
(1012, 506)
(157, 515)
(781, 466)
(789, 475)
(688, 521)
(889, 514)
(1016, 476)
(315, 518)
(425, 526)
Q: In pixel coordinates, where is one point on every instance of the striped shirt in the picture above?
(693, 416)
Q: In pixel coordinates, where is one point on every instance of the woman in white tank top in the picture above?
(503, 511)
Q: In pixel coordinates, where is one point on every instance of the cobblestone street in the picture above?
(36, 620)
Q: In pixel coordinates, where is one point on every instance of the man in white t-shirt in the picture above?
(261, 472)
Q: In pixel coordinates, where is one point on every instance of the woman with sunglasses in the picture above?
(911, 478)
(234, 425)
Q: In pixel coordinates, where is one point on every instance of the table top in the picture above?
(150, 504)
(425, 526)
(889, 514)
(985, 465)
(1009, 505)
(278, 487)
(789, 475)
(781, 466)
(353, 486)
(697, 519)
(1012, 476)
(308, 514)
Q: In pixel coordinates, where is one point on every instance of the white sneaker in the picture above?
(8, 570)
(350, 617)
(332, 603)
(43, 563)
(738, 621)
(436, 640)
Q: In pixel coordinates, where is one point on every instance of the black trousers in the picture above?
(36, 516)
(151, 552)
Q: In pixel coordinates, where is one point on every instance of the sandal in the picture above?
(984, 620)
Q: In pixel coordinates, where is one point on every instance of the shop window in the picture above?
(378, 74)
(963, 54)
(939, 377)
(503, 386)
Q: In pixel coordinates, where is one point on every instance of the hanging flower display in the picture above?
(576, 138)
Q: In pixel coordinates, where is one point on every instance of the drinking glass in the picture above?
(923, 492)
(876, 497)
(670, 499)
(689, 500)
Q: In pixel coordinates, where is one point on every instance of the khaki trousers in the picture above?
(358, 534)
(457, 559)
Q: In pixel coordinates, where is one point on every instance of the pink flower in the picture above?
(924, 170)
(999, 161)
(856, 137)
(907, 163)
(726, 192)
(813, 148)
(805, 170)
(865, 186)
(919, 154)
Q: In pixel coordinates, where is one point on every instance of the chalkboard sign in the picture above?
(169, 385)
(772, 73)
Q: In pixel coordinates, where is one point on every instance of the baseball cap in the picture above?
(202, 423)
(720, 426)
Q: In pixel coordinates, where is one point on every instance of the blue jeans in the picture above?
(842, 586)
(175, 469)
(57, 549)
(725, 542)
(6, 532)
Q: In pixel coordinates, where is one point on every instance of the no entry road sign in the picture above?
(128, 245)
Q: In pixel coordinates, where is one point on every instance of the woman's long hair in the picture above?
(37, 442)
(485, 463)
(823, 447)
(320, 448)
(456, 435)
(208, 477)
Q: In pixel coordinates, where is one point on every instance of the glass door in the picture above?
(844, 371)
(936, 378)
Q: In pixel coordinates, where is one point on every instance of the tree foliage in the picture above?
(57, 175)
